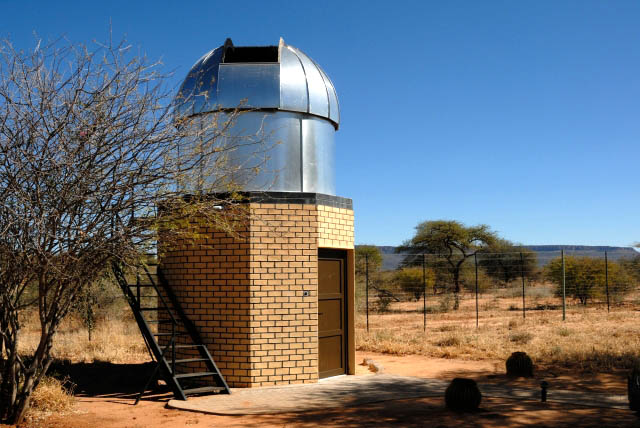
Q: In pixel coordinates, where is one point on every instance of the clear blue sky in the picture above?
(524, 115)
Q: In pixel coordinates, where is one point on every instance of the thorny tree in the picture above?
(506, 261)
(89, 147)
(452, 240)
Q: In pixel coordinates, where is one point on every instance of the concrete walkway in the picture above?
(343, 391)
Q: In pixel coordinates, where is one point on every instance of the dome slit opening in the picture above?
(250, 54)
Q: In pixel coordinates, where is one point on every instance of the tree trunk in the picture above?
(4, 327)
(19, 382)
(456, 289)
(34, 374)
(8, 389)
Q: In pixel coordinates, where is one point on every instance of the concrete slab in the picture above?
(340, 391)
(346, 391)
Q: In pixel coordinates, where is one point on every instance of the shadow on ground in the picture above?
(559, 378)
(117, 384)
(105, 379)
(431, 412)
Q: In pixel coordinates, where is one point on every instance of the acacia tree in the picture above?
(89, 148)
(506, 261)
(452, 240)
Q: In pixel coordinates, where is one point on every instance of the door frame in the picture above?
(332, 253)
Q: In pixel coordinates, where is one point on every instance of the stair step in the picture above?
(190, 360)
(199, 374)
(136, 286)
(203, 389)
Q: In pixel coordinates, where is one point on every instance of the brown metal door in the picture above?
(331, 313)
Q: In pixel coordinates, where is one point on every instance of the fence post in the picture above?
(424, 295)
(366, 276)
(564, 294)
(475, 259)
(606, 277)
(524, 306)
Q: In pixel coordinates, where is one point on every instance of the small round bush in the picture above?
(633, 388)
(519, 364)
(462, 395)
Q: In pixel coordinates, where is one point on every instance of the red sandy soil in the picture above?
(111, 409)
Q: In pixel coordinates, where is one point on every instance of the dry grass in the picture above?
(521, 337)
(116, 339)
(590, 339)
(51, 396)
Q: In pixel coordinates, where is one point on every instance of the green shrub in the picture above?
(414, 280)
(585, 278)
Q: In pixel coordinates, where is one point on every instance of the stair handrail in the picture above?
(164, 302)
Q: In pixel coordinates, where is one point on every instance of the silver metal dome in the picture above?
(268, 77)
(287, 102)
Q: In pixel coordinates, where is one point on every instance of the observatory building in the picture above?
(274, 305)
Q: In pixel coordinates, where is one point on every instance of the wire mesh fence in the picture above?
(423, 289)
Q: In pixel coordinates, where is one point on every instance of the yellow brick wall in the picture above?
(335, 226)
(211, 280)
(283, 246)
(246, 295)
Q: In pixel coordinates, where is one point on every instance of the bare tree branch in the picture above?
(93, 166)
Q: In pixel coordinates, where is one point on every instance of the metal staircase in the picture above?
(166, 329)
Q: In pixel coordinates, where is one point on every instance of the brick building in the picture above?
(274, 303)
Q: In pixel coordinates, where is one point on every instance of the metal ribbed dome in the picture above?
(267, 77)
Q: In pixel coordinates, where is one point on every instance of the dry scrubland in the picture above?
(115, 339)
(590, 339)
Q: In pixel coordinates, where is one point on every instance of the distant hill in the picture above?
(390, 260)
(546, 253)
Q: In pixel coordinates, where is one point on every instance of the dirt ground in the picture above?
(105, 399)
